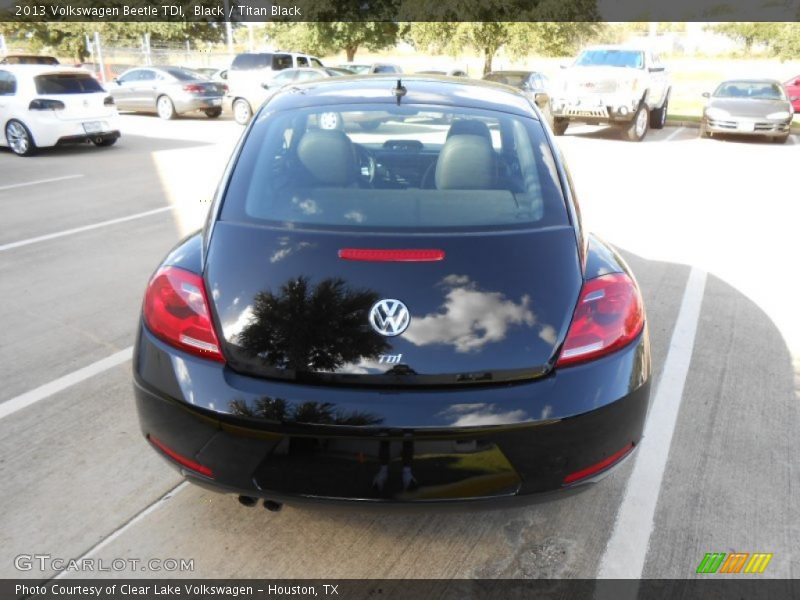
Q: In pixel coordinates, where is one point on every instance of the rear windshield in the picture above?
(245, 62)
(181, 74)
(611, 58)
(757, 90)
(389, 168)
(514, 79)
(67, 83)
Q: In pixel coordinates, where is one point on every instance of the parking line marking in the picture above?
(674, 133)
(9, 407)
(627, 547)
(14, 186)
(124, 527)
(58, 234)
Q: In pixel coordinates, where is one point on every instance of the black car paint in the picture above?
(300, 439)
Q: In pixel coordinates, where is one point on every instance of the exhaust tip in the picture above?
(248, 501)
(272, 506)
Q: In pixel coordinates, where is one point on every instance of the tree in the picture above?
(327, 38)
(748, 33)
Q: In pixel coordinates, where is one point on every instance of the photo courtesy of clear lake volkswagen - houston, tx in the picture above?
(398, 298)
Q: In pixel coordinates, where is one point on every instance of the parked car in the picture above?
(207, 72)
(753, 107)
(533, 84)
(455, 72)
(624, 86)
(370, 68)
(793, 91)
(28, 59)
(242, 104)
(249, 71)
(167, 91)
(43, 105)
(341, 331)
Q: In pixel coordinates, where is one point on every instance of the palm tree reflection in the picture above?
(311, 327)
(317, 413)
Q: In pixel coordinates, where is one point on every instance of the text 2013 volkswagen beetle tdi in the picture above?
(408, 312)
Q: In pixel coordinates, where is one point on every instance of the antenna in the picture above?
(399, 91)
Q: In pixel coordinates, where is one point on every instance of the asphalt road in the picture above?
(708, 226)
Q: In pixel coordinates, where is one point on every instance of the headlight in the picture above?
(717, 113)
(784, 114)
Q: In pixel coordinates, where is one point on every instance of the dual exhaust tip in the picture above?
(251, 501)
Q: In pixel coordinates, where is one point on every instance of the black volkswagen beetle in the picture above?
(407, 314)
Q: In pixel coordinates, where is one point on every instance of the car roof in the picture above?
(751, 80)
(510, 73)
(34, 70)
(420, 89)
(628, 47)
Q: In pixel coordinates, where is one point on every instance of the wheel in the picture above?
(330, 120)
(636, 131)
(704, 132)
(213, 113)
(105, 143)
(780, 139)
(560, 125)
(658, 116)
(242, 113)
(165, 108)
(19, 139)
(369, 125)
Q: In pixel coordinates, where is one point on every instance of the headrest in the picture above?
(329, 156)
(469, 127)
(465, 163)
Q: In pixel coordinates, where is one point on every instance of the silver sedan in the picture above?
(754, 107)
(167, 91)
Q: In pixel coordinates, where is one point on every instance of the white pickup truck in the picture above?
(616, 85)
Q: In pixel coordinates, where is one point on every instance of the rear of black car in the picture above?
(400, 314)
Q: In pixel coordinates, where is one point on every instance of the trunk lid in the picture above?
(496, 308)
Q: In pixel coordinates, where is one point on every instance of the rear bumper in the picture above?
(48, 130)
(184, 104)
(86, 137)
(293, 442)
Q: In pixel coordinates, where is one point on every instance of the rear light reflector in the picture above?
(194, 88)
(609, 315)
(597, 467)
(381, 255)
(180, 458)
(44, 104)
(176, 311)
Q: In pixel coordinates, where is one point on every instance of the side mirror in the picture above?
(562, 66)
(797, 81)
(706, 95)
(265, 85)
(223, 75)
(541, 99)
(656, 69)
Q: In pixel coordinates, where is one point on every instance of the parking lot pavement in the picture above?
(80, 481)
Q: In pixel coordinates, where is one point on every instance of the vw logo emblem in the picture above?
(389, 317)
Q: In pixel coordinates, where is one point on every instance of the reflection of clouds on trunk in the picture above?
(470, 318)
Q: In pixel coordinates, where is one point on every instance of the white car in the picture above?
(42, 106)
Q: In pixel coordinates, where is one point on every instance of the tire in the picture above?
(560, 125)
(213, 113)
(781, 139)
(242, 113)
(19, 138)
(637, 130)
(658, 116)
(105, 143)
(165, 108)
(369, 125)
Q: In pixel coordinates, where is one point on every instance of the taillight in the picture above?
(609, 315)
(108, 101)
(176, 311)
(194, 88)
(44, 104)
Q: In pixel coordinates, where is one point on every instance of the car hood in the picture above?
(496, 308)
(749, 107)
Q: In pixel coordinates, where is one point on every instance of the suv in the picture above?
(616, 85)
(248, 72)
(28, 59)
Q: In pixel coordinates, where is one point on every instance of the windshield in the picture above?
(389, 168)
(759, 90)
(67, 83)
(513, 79)
(633, 59)
(357, 69)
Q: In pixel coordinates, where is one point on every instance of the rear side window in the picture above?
(248, 62)
(302, 61)
(281, 61)
(386, 69)
(315, 62)
(388, 168)
(67, 83)
(8, 84)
